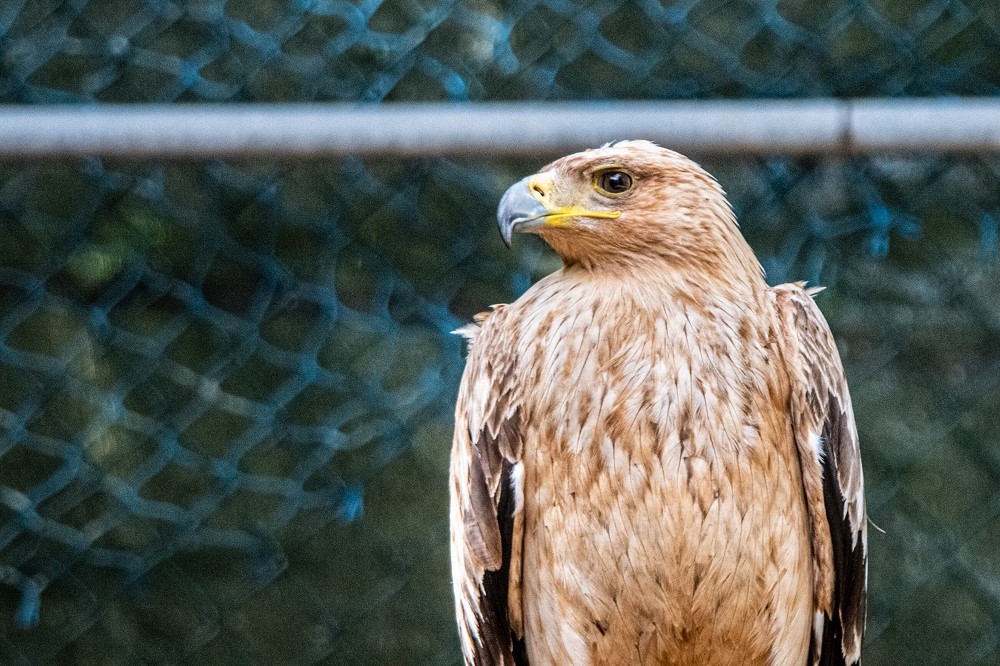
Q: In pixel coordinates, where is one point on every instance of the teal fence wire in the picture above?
(226, 386)
(382, 50)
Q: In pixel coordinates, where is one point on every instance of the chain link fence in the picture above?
(375, 50)
(228, 385)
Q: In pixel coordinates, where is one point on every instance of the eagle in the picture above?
(655, 459)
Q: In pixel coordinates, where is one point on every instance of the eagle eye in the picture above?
(613, 181)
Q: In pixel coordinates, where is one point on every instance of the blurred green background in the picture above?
(227, 385)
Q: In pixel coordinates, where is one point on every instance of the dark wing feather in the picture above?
(827, 440)
(844, 628)
(486, 522)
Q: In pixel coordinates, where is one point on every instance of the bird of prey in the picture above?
(655, 459)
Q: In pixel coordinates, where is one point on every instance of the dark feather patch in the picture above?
(494, 504)
(497, 645)
(495, 632)
(849, 600)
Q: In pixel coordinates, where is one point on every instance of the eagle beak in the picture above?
(526, 206)
(522, 204)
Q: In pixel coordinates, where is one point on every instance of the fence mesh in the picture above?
(227, 385)
(373, 50)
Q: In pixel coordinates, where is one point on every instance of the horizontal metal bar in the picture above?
(815, 126)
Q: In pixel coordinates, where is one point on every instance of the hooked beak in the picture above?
(526, 206)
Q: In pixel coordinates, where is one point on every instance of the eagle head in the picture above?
(627, 203)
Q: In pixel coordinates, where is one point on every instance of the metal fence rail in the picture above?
(789, 127)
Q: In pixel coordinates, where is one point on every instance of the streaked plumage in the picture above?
(655, 458)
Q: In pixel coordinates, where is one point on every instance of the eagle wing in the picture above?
(827, 441)
(486, 500)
